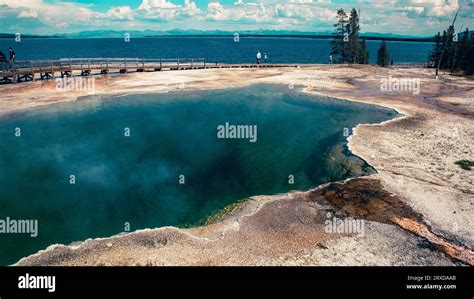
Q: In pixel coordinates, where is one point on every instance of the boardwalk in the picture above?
(22, 71)
(413, 65)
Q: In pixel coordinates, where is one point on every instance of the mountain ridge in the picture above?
(217, 33)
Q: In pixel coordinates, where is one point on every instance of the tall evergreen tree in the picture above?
(457, 54)
(447, 46)
(353, 31)
(450, 45)
(468, 66)
(383, 55)
(437, 49)
(346, 45)
(441, 60)
(462, 51)
(340, 38)
(363, 55)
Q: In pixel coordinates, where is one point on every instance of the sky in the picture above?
(405, 17)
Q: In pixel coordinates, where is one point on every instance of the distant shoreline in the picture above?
(414, 39)
(303, 36)
(402, 39)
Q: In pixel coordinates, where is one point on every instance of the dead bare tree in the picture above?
(445, 43)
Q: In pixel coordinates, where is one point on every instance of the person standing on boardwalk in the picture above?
(3, 58)
(265, 57)
(12, 54)
(259, 56)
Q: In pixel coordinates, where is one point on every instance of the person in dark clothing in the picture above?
(3, 58)
(12, 54)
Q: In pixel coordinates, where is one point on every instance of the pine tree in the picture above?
(469, 60)
(458, 55)
(383, 55)
(437, 49)
(450, 48)
(463, 51)
(441, 60)
(446, 42)
(363, 55)
(346, 45)
(353, 31)
(339, 41)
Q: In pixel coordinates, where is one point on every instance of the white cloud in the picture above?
(289, 12)
(120, 13)
(28, 13)
(397, 16)
(53, 14)
(24, 3)
(216, 11)
(165, 10)
(432, 8)
(190, 9)
(148, 5)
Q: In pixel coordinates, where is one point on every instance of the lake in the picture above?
(154, 160)
(214, 49)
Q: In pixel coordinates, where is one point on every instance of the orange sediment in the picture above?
(455, 251)
(367, 199)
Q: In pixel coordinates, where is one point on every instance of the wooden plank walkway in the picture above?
(29, 70)
(412, 65)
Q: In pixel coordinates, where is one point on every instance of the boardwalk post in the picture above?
(192, 60)
(89, 66)
(161, 65)
(143, 64)
(204, 63)
(32, 71)
(177, 64)
(125, 64)
(15, 75)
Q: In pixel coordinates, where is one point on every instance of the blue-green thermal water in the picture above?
(136, 179)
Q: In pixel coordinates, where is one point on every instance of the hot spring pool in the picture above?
(150, 160)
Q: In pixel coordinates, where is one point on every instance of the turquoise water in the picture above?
(136, 179)
(214, 49)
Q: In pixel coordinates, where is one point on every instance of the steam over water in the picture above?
(173, 136)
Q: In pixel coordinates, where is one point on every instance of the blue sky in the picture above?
(408, 17)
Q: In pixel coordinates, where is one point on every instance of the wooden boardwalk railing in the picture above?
(20, 71)
(412, 65)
